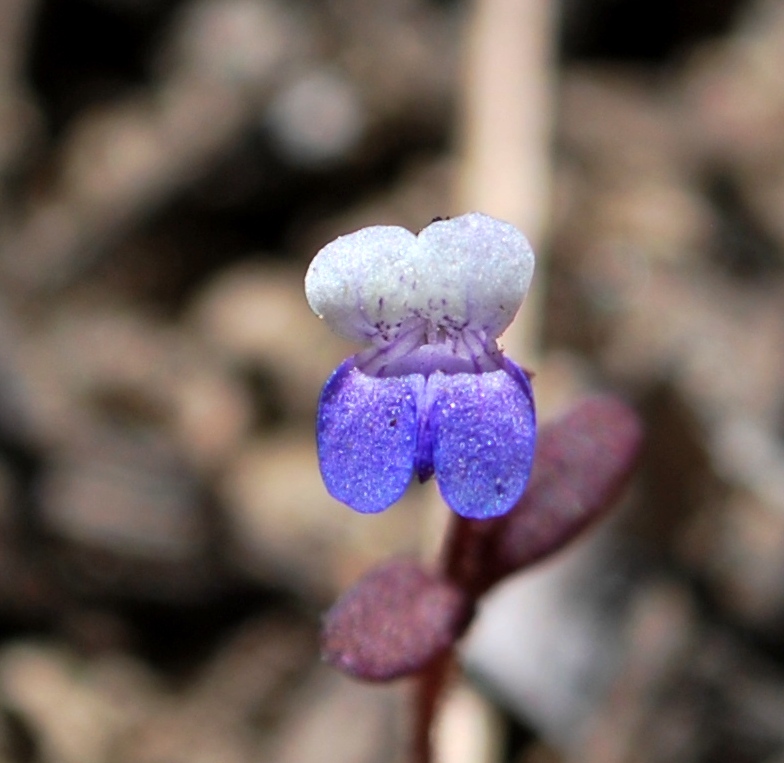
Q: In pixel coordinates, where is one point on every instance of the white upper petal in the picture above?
(361, 280)
(468, 272)
(479, 271)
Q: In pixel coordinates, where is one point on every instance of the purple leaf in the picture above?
(394, 622)
(583, 460)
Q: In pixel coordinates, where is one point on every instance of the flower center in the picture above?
(423, 347)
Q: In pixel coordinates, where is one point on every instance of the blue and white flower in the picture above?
(431, 393)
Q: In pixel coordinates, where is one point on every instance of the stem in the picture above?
(428, 692)
(457, 548)
(464, 556)
(457, 551)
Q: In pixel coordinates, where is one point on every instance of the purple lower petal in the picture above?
(484, 430)
(367, 436)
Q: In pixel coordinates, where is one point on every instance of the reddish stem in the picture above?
(457, 543)
(458, 552)
(429, 689)
(464, 555)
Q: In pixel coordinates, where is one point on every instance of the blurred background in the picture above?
(168, 169)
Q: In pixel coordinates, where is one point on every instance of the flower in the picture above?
(431, 393)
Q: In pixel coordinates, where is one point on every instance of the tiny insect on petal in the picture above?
(367, 436)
